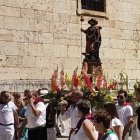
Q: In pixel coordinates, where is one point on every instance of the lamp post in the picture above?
(81, 19)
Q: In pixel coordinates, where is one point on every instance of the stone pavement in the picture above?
(63, 138)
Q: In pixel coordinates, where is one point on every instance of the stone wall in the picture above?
(121, 38)
(38, 35)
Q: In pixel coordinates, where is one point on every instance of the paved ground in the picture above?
(62, 138)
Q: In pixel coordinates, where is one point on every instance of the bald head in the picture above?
(77, 92)
(76, 95)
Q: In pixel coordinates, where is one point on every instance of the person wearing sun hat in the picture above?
(36, 117)
(93, 22)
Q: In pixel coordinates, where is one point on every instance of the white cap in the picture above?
(44, 91)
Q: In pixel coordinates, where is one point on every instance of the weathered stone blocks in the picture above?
(38, 35)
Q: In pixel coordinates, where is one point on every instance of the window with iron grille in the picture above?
(95, 5)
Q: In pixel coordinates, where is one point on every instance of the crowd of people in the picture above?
(28, 117)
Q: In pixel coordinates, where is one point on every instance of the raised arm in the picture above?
(35, 111)
(84, 31)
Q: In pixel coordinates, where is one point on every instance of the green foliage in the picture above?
(131, 98)
(98, 98)
(54, 98)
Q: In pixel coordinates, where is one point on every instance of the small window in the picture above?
(95, 5)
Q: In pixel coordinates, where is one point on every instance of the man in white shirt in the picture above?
(72, 112)
(8, 117)
(36, 118)
(125, 112)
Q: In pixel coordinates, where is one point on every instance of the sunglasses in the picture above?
(120, 97)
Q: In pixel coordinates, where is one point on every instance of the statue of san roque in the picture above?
(93, 40)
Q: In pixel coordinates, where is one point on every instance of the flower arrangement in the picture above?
(95, 86)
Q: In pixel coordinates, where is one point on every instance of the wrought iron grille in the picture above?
(96, 5)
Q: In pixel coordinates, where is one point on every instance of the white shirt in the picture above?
(112, 137)
(7, 117)
(116, 122)
(35, 121)
(71, 113)
(81, 135)
(124, 112)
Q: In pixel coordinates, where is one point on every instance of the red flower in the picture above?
(87, 81)
(75, 81)
(54, 85)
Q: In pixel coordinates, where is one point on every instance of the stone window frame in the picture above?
(85, 12)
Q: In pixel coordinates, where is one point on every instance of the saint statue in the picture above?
(93, 40)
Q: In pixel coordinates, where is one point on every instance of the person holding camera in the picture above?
(36, 118)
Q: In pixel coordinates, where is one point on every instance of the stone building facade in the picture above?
(38, 35)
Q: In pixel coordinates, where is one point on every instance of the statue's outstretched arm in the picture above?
(84, 31)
